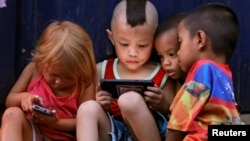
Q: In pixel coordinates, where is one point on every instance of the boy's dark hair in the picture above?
(171, 22)
(136, 12)
(220, 24)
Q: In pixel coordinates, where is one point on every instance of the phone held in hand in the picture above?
(42, 110)
(119, 86)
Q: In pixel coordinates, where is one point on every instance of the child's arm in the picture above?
(169, 94)
(18, 93)
(102, 97)
(174, 135)
(68, 125)
(160, 99)
(98, 73)
(88, 93)
(63, 124)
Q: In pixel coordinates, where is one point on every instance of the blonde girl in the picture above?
(60, 77)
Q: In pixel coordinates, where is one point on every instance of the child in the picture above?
(132, 116)
(208, 36)
(57, 79)
(167, 45)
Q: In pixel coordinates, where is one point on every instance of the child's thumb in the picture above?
(38, 99)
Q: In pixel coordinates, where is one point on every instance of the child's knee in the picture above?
(129, 100)
(12, 113)
(89, 106)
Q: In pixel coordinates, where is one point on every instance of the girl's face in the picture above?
(133, 45)
(188, 51)
(167, 46)
(60, 78)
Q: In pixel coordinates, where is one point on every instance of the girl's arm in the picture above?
(66, 125)
(88, 93)
(18, 91)
(62, 124)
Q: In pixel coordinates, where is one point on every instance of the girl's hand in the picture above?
(154, 97)
(44, 119)
(27, 101)
(103, 97)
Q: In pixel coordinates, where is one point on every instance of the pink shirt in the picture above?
(66, 107)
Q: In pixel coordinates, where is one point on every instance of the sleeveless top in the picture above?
(65, 106)
(109, 71)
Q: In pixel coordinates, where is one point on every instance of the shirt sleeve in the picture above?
(187, 105)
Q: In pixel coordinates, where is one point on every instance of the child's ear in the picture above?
(110, 35)
(202, 39)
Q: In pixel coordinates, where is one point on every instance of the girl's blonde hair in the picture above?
(66, 42)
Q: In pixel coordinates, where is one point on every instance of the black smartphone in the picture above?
(42, 110)
(119, 86)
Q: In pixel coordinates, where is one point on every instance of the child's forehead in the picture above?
(182, 26)
(140, 31)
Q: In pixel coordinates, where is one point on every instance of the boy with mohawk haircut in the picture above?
(131, 116)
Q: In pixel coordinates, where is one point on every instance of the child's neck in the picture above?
(63, 92)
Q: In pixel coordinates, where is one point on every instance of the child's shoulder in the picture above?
(154, 65)
(100, 64)
(111, 61)
(33, 70)
(209, 64)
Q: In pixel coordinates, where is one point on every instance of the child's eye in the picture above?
(142, 46)
(53, 75)
(173, 54)
(69, 78)
(124, 44)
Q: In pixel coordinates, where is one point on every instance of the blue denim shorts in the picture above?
(120, 131)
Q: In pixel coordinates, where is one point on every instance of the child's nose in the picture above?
(167, 62)
(57, 81)
(133, 52)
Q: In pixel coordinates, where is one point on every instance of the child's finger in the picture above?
(38, 99)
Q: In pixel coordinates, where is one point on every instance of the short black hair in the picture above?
(220, 24)
(170, 23)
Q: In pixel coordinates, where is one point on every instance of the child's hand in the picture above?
(103, 97)
(154, 97)
(44, 119)
(28, 100)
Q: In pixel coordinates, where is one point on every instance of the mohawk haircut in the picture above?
(136, 12)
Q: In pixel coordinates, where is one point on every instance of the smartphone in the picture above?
(119, 86)
(42, 110)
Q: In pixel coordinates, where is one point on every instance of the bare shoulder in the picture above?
(88, 93)
(29, 70)
(32, 70)
(27, 75)
(99, 66)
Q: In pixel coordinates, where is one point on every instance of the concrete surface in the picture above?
(245, 118)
